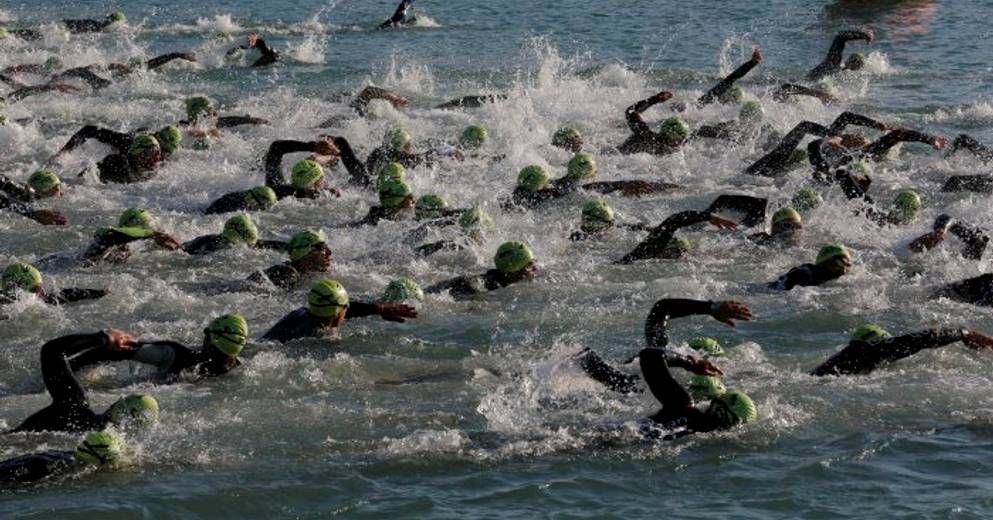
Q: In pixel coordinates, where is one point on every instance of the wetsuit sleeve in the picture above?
(779, 158)
(659, 237)
(117, 140)
(974, 238)
(74, 295)
(822, 169)
(17, 191)
(159, 61)
(268, 57)
(398, 15)
(297, 324)
(655, 369)
(984, 153)
(832, 62)
(598, 370)
(87, 75)
(638, 187)
(725, 84)
(204, 245)
(61, 383)
(787, 90)
(637, 123)
(34, 467)
(273, 245)
(753, 208)
(878, 148)
(434, 247)
(802, 275)
(862, 358)
(361, 101)
(273, 161)
(230, 202)
(229, 121)
(657, 323)
(853, 187)
(851, 118)
(977, 290)
(356, 169)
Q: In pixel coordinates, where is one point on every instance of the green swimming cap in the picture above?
(144, 145)
(241, 229)
(733, 408)
(327, 299)
(906, 206)
(674, 129)
(732, 95)
(532, 178)
(475, 223)
(855, 61)
(707, 345)
(306, 174)
(261, 198)
(512, 257)
(197, 106)
(44, 183)
(202, 143)
(392, 193)
(806, 199)
(305, 243)
(227, 333)
(136, 218)
(567, 138)
(99, 449)
(784, 215)
(134, 411)
(53, 63)
(870, 333)
(832, 252)
(597, 216)
(704, 388)
(396, 139)
(863, 168)
(394, 171)
(677, 246)
(401, 290)
(429, 206)
(798, 156)
(117, 17)
(474, 136)
(582, 166)
(21, 275)
(751, 112)
(169, 138)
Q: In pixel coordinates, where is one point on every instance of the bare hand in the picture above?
(940, 142)
(665, 95)
(978, 341)
(48, 217)
(723, 223)
(397, 312)
(703, 367)
(757, 55)
(167, 241)
(326, 147)
(120, 341)
(637, 188)
(728, 311)
(188, 56)
(252, 39)
(399, 101)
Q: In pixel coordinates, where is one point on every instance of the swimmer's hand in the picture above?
(702, 367)
(940, 142)
(757, 55)
(728, 311)
(165, 240)
(722, 223)
(978, 341)
(120, 341)
(397, 312)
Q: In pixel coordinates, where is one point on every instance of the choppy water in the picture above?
(493, 421)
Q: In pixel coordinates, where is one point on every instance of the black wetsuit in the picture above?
(806, 275)
(788, 90)
(465, 286)
(715, 93)
(302, 324)
(14, 190)
(268, 56)
(860, 357)
(110, 245)
(657, 243)
(68, 295)
(977, 290)
(234, 201)
(208, 244)
(34, 467)
(972, 183)
(70, 409)
(86, 26)
(384, 155)
(89, 74)
(474, 101)
(643, 139)
(399, 16)
(678, 416)
(169, 358)
(523, 198)
(832, 63)
(117, 167)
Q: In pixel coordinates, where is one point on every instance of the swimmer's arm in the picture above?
(723, 130)
(851, 118)
(87, 75)
(787, 90)
(725, 84)
(117, 140)
(72, 295)
(878, 148)
(636, 123)
(753, 208)
(11, 81)
(273, 161)
(655, 369)
(629, 188)
(159, 61)
(388, 311)
(657, 323)
(659, 237)
(229, 121)
(269, 56)
(17, 191)
(974, 238)
(984, 153)
(398, 15)
(22, 93)
(56, 372)
(356, 169)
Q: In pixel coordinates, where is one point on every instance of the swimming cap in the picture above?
(305, 243)
(832, 252)
(241, 228)
(117, 17)
(393, 171)
(532, 178)
(870, 333)
(392, 193)
(597, 216)
(863, 168)
(706, 387)
(44, 183)
(906, 206)
(567, 138)
(751, 112)
(402, 289)
(855, 61)
(733, 408)
(396, 139)
(100, 448)
(261, 198)
(306, 174)
(227, 333)
(677, 246)
(798, 156)
(429, 206)
(784, 215)
(169, 138)
(707, 345)
(674, 129)
(197, 106)
(474, 136)
(475, 223)
(806, 199)
(136, 218)
(21, 275)
(582, 166)
(732, 95)
(513, 256)
(134, 411)
(327, 298)
(144, 144)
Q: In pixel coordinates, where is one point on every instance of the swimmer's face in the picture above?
(838, 266)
